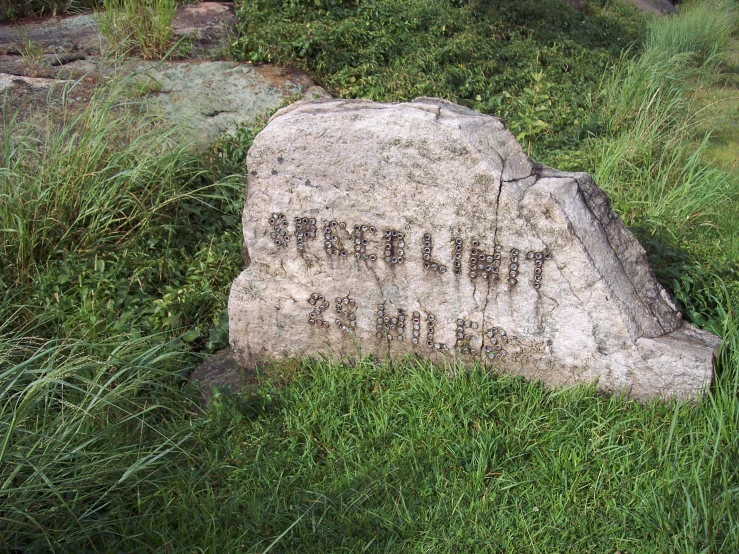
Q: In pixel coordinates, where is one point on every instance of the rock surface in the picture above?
(213, 97)
(426, 230)
(658, 7)
(58, 63)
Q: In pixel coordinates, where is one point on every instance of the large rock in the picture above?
(423, 228)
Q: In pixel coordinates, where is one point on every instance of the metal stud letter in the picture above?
(496, 339)
(319, 303)
(332, 244)
(394, 252)
(463, 344)
(346, 314)
(390, 326)
(359, 242)
(279, 233)
(305, 229)
(538, 258)
(482, 264)
(429, 263)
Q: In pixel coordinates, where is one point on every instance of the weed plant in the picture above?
(32, 53)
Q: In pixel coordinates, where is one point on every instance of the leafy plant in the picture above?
(468, 52)
(534, 103)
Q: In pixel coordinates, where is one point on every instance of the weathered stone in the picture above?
(214, 97)
(658, 7)
(207, 22)
(548, 282)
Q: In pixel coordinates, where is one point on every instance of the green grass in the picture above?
(118, 244)
(407, 459)
(652, 160)
(137, 27)
(481, 54)
(84, 432)
(109, 216)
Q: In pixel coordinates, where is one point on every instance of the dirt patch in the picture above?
(221, 372)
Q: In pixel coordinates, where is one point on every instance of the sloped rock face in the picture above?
(423, 229)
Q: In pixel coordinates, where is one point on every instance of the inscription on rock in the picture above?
(423, 229)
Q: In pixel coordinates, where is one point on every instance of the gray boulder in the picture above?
(424, 229)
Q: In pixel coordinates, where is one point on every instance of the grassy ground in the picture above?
(118, 244)
(532, 62)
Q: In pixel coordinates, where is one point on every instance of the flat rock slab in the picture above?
(8, 81)
(207, 98)
(213, 97)
(73, 47)
(423, 229)
(77, 33)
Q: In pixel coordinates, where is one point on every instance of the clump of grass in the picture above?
(703, 30)
(32, 53)
(87, 181)
(88, 432)
(113, 224)
(137, 26)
